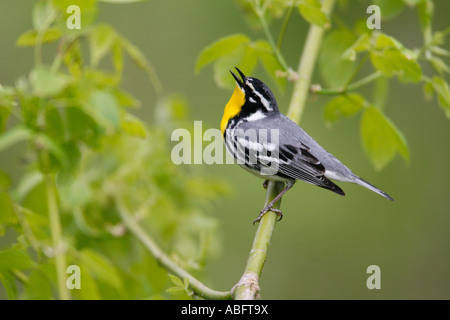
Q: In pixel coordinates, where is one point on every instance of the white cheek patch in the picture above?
(258, 115)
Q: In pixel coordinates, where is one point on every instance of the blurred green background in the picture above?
(324, 244)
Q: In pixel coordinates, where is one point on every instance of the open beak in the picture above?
(239, 82)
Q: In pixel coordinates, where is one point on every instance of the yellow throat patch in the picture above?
(232, 108)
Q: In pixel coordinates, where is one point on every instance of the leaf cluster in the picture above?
(348, 52)
(89, 154)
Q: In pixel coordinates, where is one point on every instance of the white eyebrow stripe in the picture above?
(264, 101)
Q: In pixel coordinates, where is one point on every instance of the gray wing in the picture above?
(291, 149)
(313, 164)
(298, 163)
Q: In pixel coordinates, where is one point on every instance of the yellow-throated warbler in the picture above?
(270, 145)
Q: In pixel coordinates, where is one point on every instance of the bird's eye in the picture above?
(253, 98)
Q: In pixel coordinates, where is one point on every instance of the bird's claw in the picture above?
(267, 209)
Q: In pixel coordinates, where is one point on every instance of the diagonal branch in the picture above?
(198, 287)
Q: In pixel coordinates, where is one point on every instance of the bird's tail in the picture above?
(367, 185)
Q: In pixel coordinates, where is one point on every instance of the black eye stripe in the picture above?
(254, 97)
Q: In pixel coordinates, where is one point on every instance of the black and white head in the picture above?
(258, 96)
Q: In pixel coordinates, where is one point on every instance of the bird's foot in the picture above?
(265, 184)
(267, 209)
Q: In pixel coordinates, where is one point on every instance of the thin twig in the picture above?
(356, 85)
(55, 228)
(284, 26)
(260, 14)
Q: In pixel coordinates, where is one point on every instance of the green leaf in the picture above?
(6, 104)
(46, 83)
(269, 62)
(80, 124)
(73, 153)
(74, 60)
(13, 136)
(390, 8)
(361, 44)
(89, 288)
(383, 41)
(133, 126)
(180, 286)
(101, 268)
(38, 286)
(380, 92)
(222, 76)
(54, 124)
(176, 281)
(7, 213)
(311, 12)
(249, 59)
(393, 62)
(101, 40)
(220, 48)
(5, 181)
(140, 60)
(439, 65)
(104, 108)
(14, 259)
(9, 283)
(28, 182)
(125, 99)
(439, 37)
(440, 51)
(334, 70)
(428, 90)
(49, 144)
(345, 105)
(117, 58)
(175, 290)
(43, 15)
(77, 193)
(88, 13)
(442, 90)
(28, 39)
(245, 58)
(381, 139)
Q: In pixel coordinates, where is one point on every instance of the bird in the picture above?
(268, 144)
